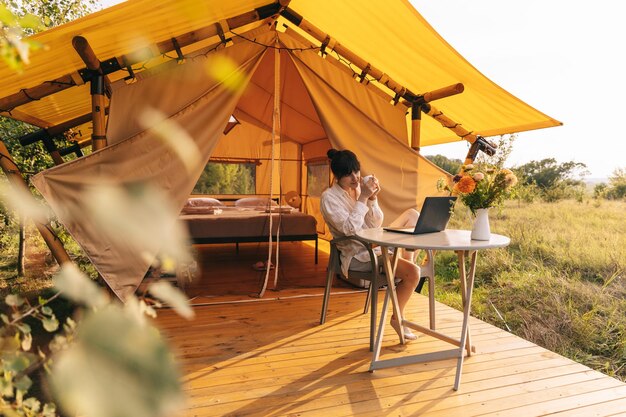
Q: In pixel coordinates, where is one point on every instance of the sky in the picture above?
(566, 58)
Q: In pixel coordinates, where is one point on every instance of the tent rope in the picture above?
(310, 48)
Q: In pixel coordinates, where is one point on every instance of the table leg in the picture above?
(391, 285)
(431, 287)
(466, 313)
(463, 287)
(381, 330)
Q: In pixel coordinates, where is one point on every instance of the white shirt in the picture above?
(345, 217)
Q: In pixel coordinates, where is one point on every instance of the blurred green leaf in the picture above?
(6, 17)
(27, 342)
(49, 410)
(47, 311)
(31, 22)
(51, 324)
(16, 363)
(23, 384)
(10, 344)
(6, 387)
(167, 293)
(5, 318)
(24, 327)
(79, 288)
(14, 300)
(113, 346)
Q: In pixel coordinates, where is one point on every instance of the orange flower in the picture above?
(465, 185)
(506, 171)
(510, 179)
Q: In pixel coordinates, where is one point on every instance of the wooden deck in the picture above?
(270, 357)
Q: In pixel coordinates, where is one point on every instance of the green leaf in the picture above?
(23, 384)
(5, 318)
(79, 288)
(16, 363)
(49, 410)
(30, 21)
(51, 324)
(167, 293)
(6, 16)
(27, 342)
(111, 346)
(6, 387)
(24, 327)
(47, 311)
(13, 300)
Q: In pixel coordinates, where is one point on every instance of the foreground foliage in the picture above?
(560, 283)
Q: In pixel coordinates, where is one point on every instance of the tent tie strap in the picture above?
(364, 72)
(222, 27)
(179, 53)
(98, 137)
(329, 43)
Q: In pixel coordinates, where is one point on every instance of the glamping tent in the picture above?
(294, 88)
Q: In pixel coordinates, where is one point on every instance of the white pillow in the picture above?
(255, 202)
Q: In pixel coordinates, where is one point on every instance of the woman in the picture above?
(351, 205)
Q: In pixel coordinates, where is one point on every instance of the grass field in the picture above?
(559, 284)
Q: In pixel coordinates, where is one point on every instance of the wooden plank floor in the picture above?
(270, 357)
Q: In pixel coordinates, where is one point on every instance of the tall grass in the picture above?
(559, 284)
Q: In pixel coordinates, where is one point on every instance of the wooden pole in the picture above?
(416, 109)
(98, 89)
(47, 88)
(98, 138)
(416, 126)
(17, 181)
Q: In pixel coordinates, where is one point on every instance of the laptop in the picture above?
(434, 216)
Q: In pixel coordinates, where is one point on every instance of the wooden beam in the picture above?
(416, 109)
(26, 95)
(47, 88)
(478, 142)
(17, 181)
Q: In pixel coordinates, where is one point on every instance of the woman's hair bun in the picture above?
(331, 153)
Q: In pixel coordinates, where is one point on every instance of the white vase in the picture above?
(481, 230)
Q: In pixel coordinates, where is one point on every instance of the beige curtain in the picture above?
(191, 97)
(362, 121)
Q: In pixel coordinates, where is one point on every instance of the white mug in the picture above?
(366, 178)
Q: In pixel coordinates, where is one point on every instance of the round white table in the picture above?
(456, 240)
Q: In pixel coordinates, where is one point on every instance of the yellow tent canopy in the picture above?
(389, 35)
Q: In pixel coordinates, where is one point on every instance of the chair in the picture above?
(334, 267)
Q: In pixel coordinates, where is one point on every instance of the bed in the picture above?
(225, 224)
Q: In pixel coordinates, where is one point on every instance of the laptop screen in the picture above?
(434, 217)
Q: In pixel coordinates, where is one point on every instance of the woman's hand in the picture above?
(374, 195)
(369, 188)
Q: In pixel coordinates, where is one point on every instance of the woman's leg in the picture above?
(409, 273)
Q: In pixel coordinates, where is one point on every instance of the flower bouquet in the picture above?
(481, 187)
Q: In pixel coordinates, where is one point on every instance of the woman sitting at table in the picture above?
(351, 205)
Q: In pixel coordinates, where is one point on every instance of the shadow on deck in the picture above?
(270, 357)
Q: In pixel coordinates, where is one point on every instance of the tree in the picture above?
(226, 178)
(617, 184)
(450, 165)
(547, 173)
(17, 20)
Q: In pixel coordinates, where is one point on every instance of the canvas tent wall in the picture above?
(332, 109)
